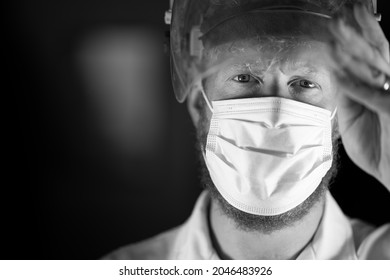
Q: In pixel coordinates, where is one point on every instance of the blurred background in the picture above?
(98, 153)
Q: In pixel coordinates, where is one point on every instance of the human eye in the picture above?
(298, 86)
(245, 78)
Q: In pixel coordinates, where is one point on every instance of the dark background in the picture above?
(67, 191)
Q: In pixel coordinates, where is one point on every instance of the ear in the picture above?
(194, 106)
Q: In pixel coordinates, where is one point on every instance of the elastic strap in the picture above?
(207, 100)
(333, 114)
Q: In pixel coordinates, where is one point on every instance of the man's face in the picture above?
(295, 70)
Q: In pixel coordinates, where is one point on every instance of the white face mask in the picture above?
(267, 155)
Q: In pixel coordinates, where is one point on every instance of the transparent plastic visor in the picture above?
(251, 44)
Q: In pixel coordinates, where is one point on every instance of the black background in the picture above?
(65, 199)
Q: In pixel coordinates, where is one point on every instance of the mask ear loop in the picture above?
(207, 100)
(212, 111)
(333, 114)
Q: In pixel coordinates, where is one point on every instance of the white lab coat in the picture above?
(336, 238)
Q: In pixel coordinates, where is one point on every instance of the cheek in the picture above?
(317, 99)
(217, 88)
(330, 94)
(327, 96)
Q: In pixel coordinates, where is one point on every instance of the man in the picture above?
(271, 86)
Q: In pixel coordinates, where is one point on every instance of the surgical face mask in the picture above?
(267, 155)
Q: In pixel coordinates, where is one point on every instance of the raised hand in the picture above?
(362, 72)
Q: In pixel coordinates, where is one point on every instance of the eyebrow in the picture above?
(253, 68)
(295, 65)
(303, 67)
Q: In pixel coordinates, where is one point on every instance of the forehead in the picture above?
(264, 34)
(289, 54)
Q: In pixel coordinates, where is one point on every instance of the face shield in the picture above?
(212, 36)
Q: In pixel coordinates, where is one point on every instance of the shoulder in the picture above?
(158, 247)
(370, 242)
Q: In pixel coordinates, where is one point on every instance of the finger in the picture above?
(355, 45)
(357, 67)
(372, 31)
(372, 98)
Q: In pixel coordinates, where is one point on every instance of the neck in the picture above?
(286, 243)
